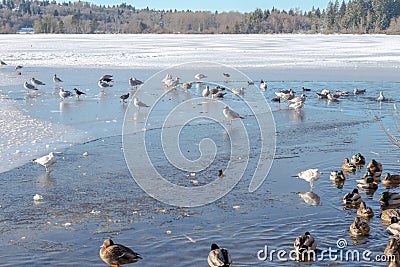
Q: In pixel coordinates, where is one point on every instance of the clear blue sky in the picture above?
(220, 5)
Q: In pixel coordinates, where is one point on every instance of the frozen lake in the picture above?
(88, 199)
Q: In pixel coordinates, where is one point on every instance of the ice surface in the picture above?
(161, 51)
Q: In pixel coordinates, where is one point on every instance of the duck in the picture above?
(359, 227)
(358, 159)
(388, 214)
(364, 210)
(304, 244)
(375, 168)
(392, 252)
(116, 254)
(219, 257)
(394, 228)
(367, 174)
(310, 175)
(353, 198)
(389, 199)
(369, 184)
(391, 179)
(337, 176)
(347, 166)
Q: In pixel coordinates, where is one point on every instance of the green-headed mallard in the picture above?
(219, 257)
(115, 254)
(358, 159)
(359, 227)
(352, 199)
(347, 166)
(391, 179)
(337, 176)
(369, 184)
(304, 245)
(388, 214)
(364, 211)
(375, 168)
(394, 228)
(389, 199)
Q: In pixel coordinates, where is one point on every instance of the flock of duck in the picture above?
(389, 201)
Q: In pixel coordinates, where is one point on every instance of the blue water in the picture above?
(87, 199)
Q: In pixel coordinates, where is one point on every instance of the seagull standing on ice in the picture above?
(172, 83)
(29, 86)
(133, 82)
(139, 104)
(230, 115)
(64, 94)
(46, 161)
(206, 91)
(36, 83)
(310, 176)
(56, 79)
(3, 63)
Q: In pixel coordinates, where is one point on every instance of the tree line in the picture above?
(353, 16)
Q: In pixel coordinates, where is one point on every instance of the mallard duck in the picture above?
(389, 199)
(368, 173)
(359, 227)
(388, 214)
(394, 228)
(347, 166)
(337, 176)
(364, 211)
(352, 199)
(369, 184)
(219, 257)
(304, 244)
(115, 254)
(310, 176)
(375, 168)
(358, 159)
(392, 252)
(391, 179)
